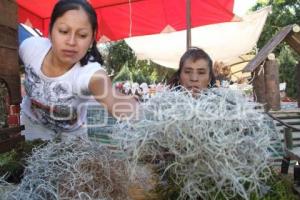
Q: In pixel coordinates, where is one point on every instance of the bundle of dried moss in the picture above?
(72, 170)
(217, 144)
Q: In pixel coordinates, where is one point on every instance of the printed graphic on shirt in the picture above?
(51, 101)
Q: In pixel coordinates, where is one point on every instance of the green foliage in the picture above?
(124, 74)
(280, 189)
(284, 12)
(140, 77)
(121, 61)
(12, 163)
(287, 70)
(117, 56)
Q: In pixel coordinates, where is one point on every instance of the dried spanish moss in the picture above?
(5, 188)
(72, 170)
(217, 144)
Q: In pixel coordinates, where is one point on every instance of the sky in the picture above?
(242, 6)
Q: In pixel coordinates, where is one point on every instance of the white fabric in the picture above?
(57, 103)
(223, 42)
(37, 131)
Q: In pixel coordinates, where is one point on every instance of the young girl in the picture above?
(62, 72)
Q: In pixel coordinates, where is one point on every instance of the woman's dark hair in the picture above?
(194, 53)
(63, 6)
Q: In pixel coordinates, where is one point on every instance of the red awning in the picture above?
(120, 19)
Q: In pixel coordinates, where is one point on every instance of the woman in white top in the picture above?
(62, 72)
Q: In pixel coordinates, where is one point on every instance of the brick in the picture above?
(14, 109)
(13, 120)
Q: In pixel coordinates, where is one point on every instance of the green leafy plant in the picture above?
(12, 163)
(280, 188)
(284, 12)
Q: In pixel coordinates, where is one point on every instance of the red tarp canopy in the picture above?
(120, 19)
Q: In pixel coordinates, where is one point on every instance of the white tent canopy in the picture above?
(224, 42)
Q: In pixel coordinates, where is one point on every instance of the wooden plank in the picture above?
(8, 13)
(288, 120)
(283, 114)
(281, 121)
(9, 64)
(294, 122)
(8, 37)
(293, 41)
(280, 129)
(267, 49)
(293, 38)
(296, 141)
(290, 123)
(12, 130)
(294, 153)
(296, 134)
(285, 111)
(288, 117)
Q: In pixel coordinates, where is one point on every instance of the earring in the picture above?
(90, 48)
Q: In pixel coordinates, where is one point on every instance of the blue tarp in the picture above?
(23, 33)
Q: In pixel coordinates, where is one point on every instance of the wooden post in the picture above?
(298, 83)
(188, 25)
(288, 143)
(288, 138)
(259, 90)
(271, 68)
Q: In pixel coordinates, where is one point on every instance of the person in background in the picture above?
(222, 74)
(195, 71)
(63, 72)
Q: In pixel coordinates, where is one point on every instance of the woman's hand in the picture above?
(119, 105)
